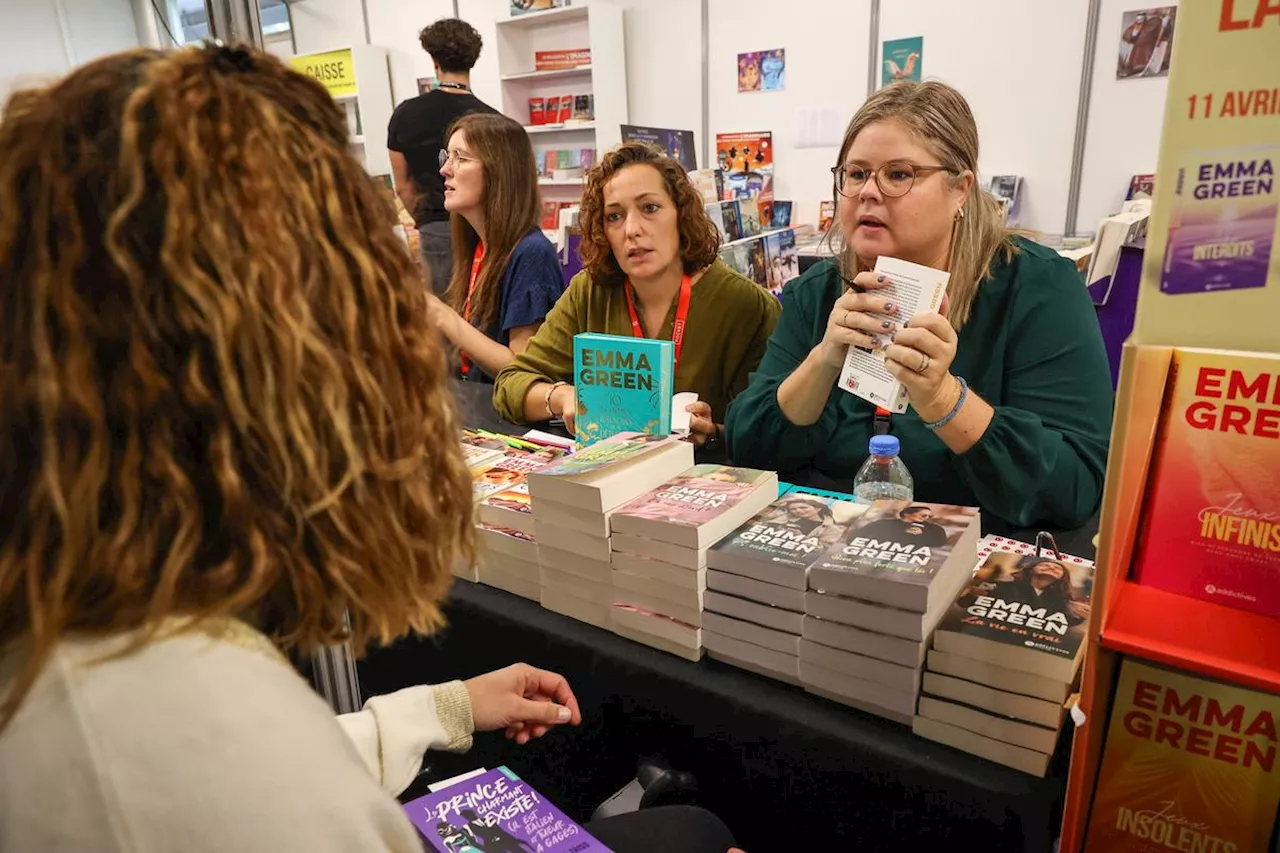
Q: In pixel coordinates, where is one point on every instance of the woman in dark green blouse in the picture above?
(1009, 386)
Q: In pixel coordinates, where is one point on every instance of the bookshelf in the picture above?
(599, 27)
(1216, 53)
(359, 80)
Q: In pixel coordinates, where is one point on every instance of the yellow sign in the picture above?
(335, 70)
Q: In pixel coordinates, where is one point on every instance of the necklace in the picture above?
(449, 84)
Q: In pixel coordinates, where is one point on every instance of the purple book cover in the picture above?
(496, 812)
(1223, 221)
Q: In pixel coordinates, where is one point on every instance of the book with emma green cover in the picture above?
(904, 541)
(496, 811)
(915, 289)
(699, 495)
(1189, 764)
(795, 530)
(623, 385)
(1210, 527)
(1222, 225)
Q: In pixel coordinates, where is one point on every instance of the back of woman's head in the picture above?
(699, 239)
(219, 393)
(939, 117)
(511, 208)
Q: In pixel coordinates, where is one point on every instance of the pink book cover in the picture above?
(515, 499)
(697, 496)
(511, 469)
(1210, 527)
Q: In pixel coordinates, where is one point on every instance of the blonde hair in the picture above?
(940, 118)
(220, 394)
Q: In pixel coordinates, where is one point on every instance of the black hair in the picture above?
(454, 44)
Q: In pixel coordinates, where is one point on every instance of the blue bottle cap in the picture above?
(885, 445)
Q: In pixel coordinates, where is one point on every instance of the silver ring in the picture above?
(844, 321)
(924, 364)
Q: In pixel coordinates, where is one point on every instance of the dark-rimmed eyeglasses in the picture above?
(895, 179)
(457, 157)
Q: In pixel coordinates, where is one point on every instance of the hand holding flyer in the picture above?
(915, 289)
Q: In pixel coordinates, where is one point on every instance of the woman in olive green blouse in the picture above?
(644, 233)
(1009, 386)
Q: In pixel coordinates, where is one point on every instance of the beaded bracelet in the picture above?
(547, 401)
(955, 410)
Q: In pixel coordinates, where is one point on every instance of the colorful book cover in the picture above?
(782, 258)
(510, 470)
(697, 496)
(781, 214)
(729, 220)
(794, 530)
(766, 214)
(738, 258)
(746, 161)
(496, 811)
(749, 210)
(1222, 223)
(901, 540)
(623, 384)
(1189, 764)
(1141, 186)
(1024, 600)
(623, 447)
(557, 60)
(826, 216)
(757, 263)
(678, 144)
(514, 499)
(709, 183)
(1211, 525)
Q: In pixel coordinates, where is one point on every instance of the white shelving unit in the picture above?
(368, 108)
(598, 26)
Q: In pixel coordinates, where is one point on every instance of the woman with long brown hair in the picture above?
(649, 253)
(1009, 389)
(223, 437)
(506, 274)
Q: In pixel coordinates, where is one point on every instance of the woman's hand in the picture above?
(524, 701)
(702, 429)
(858, 319)
(920, 358)
(564, 405)
(441, 315)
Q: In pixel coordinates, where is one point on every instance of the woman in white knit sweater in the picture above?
(224, 424)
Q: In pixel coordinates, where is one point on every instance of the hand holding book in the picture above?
(524, 701)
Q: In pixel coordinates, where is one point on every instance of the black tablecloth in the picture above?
(786, 770)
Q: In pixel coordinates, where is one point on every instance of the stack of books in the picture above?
(875, 598)
(659, 548)
(1006, 655)
(508, 560)
(757, 579)
(572, 502)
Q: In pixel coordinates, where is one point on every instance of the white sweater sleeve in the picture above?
(394, 731)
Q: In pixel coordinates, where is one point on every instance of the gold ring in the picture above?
(924, 364)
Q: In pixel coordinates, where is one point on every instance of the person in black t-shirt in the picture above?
(416, 135)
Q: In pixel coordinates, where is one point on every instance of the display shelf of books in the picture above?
(1176, 740)
(359, 80)
(563, 74)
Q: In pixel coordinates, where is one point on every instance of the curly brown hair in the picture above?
(220, 394)
(454, 44)
(699, 239)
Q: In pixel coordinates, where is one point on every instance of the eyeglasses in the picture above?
(457, 157)
(895, 179)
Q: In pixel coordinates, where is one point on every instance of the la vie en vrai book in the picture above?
(915, 289)
(498, 811)
(1022, 612)
(795, 530)
(1210, 527)
(623, 385)
(1222, 228)
(1189, 764)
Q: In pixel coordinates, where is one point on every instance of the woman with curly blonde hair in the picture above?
(224, 438)
(648, 248)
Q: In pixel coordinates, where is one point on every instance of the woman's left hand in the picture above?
(702, 429)
(440, 314)
(920, 358)
(524, 701)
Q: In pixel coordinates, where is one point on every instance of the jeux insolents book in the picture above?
(1189, 764)
(496, 811)
(1210, 527)
(623, 385)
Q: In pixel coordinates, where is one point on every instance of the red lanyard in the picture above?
(682, 317)
(476, 261)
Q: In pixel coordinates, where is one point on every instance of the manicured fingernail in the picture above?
(906, 323)
(887, 324)
(879, 278)
(889, 308)
(893, 336)
(563, 715)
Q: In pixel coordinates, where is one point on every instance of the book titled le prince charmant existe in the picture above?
(1189, 764)
(622, 385)
(1210, 528)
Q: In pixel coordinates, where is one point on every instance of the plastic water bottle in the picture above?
(883, 476)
